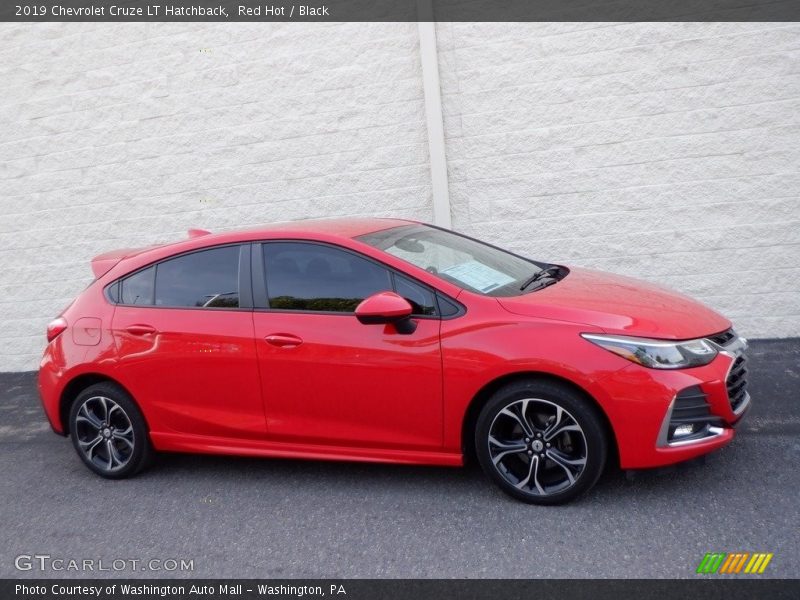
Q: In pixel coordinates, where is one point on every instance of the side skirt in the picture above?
(170, 442)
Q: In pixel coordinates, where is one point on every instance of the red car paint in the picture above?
(326, 386)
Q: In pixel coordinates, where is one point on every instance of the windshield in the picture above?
(460, 260)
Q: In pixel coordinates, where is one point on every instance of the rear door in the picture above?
(184, 331)
(327, 378)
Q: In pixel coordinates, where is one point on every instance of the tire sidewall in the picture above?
(578, 406)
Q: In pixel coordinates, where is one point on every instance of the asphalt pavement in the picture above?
(236, 517)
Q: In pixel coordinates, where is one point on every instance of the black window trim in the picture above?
(260, 283)
(113, 290)
(252, 281)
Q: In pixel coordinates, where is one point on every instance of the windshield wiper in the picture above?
(547, 273)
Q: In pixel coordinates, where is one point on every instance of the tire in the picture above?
(109, 432)
(541, 442)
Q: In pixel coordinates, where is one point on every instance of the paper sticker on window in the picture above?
(478, 276)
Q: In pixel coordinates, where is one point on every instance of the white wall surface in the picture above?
(669, 152)
(120, 135)
(663, 151)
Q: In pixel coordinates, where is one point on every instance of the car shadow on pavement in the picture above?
(613, 485)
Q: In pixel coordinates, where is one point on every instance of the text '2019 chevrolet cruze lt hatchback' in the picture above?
(387, 341)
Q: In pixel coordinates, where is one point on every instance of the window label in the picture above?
(478, 275)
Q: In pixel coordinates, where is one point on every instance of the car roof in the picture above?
(319, 229)
(323, 229)
(348, 227)
(306, 228)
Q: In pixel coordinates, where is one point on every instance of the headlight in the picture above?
(656, 354)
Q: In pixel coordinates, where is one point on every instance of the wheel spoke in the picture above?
(89, 446)
(567, 464)
(111, 411)
(122, 438)
(523, 482)
(567, 460)
(561, 424)
(117, 456)
(536, 477)
(561, 430)
(533, 473)
(89, 417)
(506, 448)
(124, 432)
(114, 457)
(521, 419)
(104, 404)
(90, 450)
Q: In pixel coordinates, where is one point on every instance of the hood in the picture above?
(621, 305)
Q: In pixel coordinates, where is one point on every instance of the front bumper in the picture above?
(648, 406)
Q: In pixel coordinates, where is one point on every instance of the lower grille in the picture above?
(691, 416)
(737, 383)
(690, 404)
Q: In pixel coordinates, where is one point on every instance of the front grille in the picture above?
(723, 338)
(737, 383)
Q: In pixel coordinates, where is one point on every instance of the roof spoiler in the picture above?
(103, 263)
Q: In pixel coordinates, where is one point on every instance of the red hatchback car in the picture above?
(387, 341)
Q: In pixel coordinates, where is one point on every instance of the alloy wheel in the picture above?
(537, 446)
(104, 433)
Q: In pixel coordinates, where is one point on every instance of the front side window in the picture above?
(314, 277)
(421, 299)
(465, 262)
(205, 279)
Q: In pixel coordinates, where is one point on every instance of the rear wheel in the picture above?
(541, 442)
(108, 431)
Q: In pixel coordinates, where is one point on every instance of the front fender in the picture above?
(475, 355)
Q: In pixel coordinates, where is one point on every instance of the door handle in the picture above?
(140, 329)
(283, 340)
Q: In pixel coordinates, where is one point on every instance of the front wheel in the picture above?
(108, 431)
(541, 442)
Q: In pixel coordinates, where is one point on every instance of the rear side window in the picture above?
(205, 279)
(313, 277)
(138, 288)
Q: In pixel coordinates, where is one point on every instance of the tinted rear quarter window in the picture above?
(138, 288)
(205, 279)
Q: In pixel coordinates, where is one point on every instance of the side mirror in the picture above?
(386, 307)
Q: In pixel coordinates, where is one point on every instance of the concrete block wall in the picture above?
(666, 151)
(127, 135)
(663, 151)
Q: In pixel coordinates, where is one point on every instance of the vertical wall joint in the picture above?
(429, 57)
